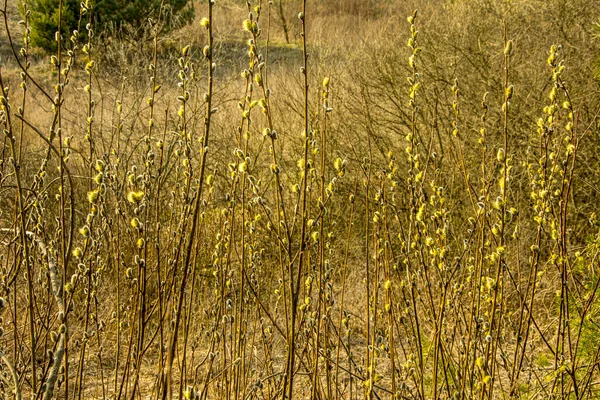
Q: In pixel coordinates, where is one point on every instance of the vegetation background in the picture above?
(300, 199)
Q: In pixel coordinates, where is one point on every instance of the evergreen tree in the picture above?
(109, 17)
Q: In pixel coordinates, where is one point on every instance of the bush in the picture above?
(109, 16)
(44, 21)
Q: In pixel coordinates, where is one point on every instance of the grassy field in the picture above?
(293, 199)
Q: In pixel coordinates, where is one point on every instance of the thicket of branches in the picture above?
(405, 213)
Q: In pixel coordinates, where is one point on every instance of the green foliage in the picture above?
(174, 13)
(44, 21)
(109, 16)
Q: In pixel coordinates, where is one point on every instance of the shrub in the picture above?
(110, 16)
(44, 21)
